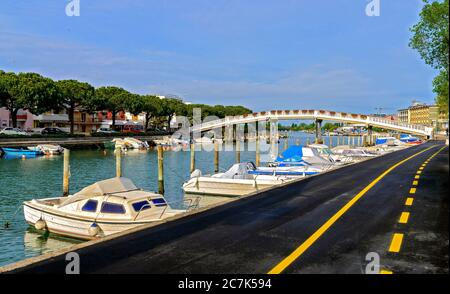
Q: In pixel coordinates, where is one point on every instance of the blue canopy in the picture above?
(292, 154)
(408, 138)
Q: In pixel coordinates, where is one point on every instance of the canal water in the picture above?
(41, 177)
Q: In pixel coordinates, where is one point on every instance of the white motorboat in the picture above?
(237, 181)
(326, 153)
(171, 142)
(356, 153)
(117, 143)
(48, 149)
(289, 171)
(101, 209)
(135, 143)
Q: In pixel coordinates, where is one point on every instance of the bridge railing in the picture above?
(306, 113)
(396, 123)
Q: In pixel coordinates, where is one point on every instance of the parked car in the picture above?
(14, 131)
(107, 131)
(134, 129)
(52, 131)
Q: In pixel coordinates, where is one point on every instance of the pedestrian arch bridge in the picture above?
(318, 116)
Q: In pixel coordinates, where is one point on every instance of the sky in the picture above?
(286, 54)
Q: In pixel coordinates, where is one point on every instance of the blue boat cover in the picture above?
(380, 141)
(292, 154)
(408, 138)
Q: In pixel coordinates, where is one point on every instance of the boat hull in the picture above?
(227, 187)
(11, 152)
(72, 226)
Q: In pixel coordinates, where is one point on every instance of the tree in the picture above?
(28, 91)
(148, 104)
(430, 39)
(112, 99)
(74, 94)
(170, 107)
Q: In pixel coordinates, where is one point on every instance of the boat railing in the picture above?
(142, 207)
(192, 205)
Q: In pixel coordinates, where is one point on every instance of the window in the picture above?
(141, 205)
(159, 202)
(90, 206)
(108, 207)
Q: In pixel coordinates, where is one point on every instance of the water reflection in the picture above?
(37, 243)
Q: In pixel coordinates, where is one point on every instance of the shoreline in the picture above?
(69, 141)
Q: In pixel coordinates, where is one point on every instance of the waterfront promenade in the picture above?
(323, 224)
(66, 142)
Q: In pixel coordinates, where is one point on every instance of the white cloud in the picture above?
(166, 72)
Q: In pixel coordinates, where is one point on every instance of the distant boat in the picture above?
(116, 143)
(391, 141)
(135, 143)
(410, 139)
(328, 154)
(13, 152)
(48, 149)
(356, 153)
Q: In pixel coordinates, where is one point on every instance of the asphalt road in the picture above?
(255, 234)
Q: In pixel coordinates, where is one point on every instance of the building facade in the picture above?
(422, 114)
(403, 115)
(24, 119)
(426, 115)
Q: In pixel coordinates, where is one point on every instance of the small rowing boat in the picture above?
(20, 153)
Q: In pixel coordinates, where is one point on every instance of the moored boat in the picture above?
(101, 209)
(135, 143)
(291, 171)
(298, 155)
(237, 181)
(20, 153)
(48, 149)
(355, 153)
(408, 139)
(326, 153)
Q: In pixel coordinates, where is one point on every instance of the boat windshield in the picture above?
(326, 151)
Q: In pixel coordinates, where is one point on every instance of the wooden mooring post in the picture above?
(160, 169)
(257, 155)
(216, 156)
(192, 167)
(66, 172)
(118, 162)
(238, 150)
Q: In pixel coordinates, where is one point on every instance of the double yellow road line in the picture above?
(280, 267)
